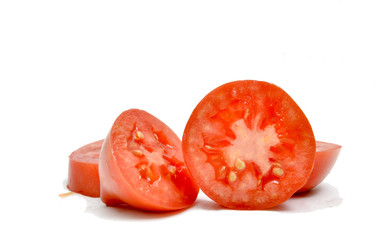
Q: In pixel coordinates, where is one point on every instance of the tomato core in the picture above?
(249, 149)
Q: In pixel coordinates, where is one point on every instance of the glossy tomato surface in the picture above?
(248, 145)
(141, 164)
(324, 160)
(83, 175)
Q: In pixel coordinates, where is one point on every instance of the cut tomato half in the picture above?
(83, 174)
(141, 164)
(248, 145)
(324, 160)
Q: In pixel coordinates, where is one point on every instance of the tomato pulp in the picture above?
(248, 145)
(83, 175)
(141, 164)
(324, 160)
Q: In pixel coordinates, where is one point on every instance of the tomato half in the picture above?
(141, 164)
(248, 145)
(83, 174)
(324, 160)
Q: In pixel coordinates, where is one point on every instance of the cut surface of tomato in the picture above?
(141, 164)
(83, 174)
(248, 145)
(324, 160)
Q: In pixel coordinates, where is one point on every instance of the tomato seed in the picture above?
(137, 153)
(156, 136)
(142, 167)
(148, 173)
(221, 173)
(139, 135)
(277, 171)
(240, 164)
(246, 114)
(232, 177)
(208, 147)
(259, 181)
(172, 169)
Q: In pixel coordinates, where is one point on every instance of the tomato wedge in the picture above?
(83, 174)
(248, 145)
(324, 160)
(141, 164)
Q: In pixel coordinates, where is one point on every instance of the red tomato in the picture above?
(324, 160)
(141, 164)
(83, 173)
(248, 145)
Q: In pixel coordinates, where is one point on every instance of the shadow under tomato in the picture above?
(123, 212)
(205, 204)
(322, 196)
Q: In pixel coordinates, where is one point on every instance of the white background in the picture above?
(69, 68)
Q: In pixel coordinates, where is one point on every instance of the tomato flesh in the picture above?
(141, 164)
(324, 160)
(83, 175)
(248, 145)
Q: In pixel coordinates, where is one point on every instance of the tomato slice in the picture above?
(141, 164)
(248, 145)
(83, 175)
(324, 160)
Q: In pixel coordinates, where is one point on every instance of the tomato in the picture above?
(83, 175)
(248, 145)
(324, 160)
(141, 164)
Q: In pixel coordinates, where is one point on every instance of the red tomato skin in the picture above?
(83, 174)
(324, 161)
(114, 187)
(289, 188)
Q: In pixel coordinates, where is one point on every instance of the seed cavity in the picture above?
(137, 153)
(146, 171)
(138, 135)
(240, 164)
(232, 176)
(277, 171)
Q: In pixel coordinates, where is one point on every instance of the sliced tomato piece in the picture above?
(141, 164)
(324, 160)
(249, 145)
(83, 175)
